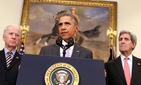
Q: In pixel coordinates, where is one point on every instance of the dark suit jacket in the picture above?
(8, 76)
(115, 73)
(78, 51)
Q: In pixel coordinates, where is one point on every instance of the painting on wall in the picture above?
(94, 17)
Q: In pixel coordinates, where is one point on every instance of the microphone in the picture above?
(70, 42)
(59, 42)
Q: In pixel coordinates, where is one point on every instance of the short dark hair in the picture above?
(70, 15)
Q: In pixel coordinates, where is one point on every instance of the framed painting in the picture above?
(95, 18)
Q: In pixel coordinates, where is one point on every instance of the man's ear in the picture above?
(3, 37)
(77, 27)
(134, 45)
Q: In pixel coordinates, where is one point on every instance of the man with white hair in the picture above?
(9, 57)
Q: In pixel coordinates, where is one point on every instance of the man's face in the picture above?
(125, 43)
(67, 27)
(11, 37)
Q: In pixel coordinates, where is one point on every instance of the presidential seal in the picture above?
(61, 74)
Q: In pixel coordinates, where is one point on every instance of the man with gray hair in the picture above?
(125, 69)
(9, 57)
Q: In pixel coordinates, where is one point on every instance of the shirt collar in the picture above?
(64, 43)
(130, 57)
(6, 50)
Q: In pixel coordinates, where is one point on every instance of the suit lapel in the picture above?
(136, 66)
(120, 69)
(15, 59)
(76, 51)
(2, 58)
(56, 50)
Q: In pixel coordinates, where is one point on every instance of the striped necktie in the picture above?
(8, 58)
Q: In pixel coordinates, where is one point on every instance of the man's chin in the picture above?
(123, 50)
(65, 38)
(12, 46)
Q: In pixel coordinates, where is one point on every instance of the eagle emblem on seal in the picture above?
(61, 78)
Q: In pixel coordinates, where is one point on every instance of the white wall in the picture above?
(128, 18)
(10, 13)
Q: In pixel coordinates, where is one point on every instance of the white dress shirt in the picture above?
(129, 62)
(70, 49)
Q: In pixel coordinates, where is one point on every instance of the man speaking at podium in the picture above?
(67, 29)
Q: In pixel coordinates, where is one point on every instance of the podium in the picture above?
(52, 70)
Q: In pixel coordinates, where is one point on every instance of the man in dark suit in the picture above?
(9, 67)
(67, 27)
(115, 69)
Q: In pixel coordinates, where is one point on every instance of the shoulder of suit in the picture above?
(136, 58)
(51, 45)
(2, 52)
(109, 62)
(17, 53)
(112, 61)
(84, 48)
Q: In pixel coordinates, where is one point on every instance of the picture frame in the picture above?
(98, 16)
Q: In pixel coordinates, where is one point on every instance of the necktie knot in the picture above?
(126, 58)
(9, 53)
